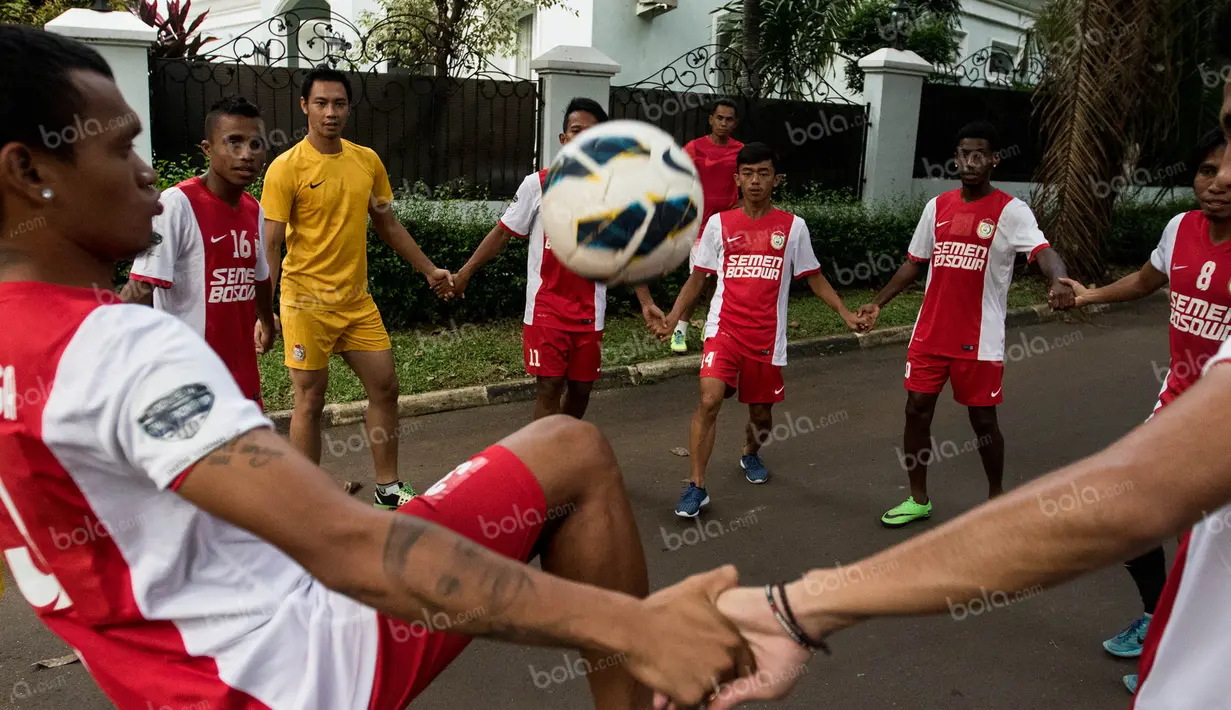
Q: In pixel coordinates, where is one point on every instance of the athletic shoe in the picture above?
(907, 512)
(693, 500)
(1127, 643)
(754, 469)
(396, 499)
(679, 342)
(1130, 682)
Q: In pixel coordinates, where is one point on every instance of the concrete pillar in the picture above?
(893, 84)
(567, 73)
(124, 42)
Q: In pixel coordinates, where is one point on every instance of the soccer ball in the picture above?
(622, 204)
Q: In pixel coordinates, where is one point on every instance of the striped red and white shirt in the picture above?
(755, 260)
(104, 408)
(971, 249)
(555, 297)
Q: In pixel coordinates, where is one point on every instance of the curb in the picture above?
(646, 373)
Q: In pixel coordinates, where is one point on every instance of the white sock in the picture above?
(388, 489)
(681, 328)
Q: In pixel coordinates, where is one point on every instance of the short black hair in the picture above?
(1207, 144)
(328, 75)
(229, 106)
(590, 106)
(724, 102)
(37, 86)
(979, 130)
(1222, 31)
(754, 153)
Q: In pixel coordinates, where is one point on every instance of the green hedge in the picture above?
(856, 246)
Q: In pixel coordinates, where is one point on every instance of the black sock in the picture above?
(1150, 573)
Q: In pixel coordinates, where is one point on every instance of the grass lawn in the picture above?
(467, 354)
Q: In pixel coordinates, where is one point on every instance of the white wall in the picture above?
(644, 46)
(572, 26)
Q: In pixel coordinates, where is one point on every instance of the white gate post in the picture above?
(568, 73)
(893, 85)
(124, 42)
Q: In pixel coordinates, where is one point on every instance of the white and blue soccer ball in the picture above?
(622, 204)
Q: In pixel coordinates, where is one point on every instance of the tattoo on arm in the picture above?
(258, 456)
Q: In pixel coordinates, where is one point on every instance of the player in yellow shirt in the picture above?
(317, 199)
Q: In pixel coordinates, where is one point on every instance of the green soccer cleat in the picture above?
(396, 499)
(907, 512)
(679, 342)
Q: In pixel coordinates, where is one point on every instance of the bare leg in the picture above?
(549, 390)
(597, 542)
(701, 435)
(309, 386)
(991, 447)
(760, 423)
(375, 370)
(577, 398)
(917, 440)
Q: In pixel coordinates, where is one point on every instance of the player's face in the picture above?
(236, 150)
(104, 199)
(578, 121)
(327, 108)
(975, 160)
(723, 122)
(1213, 195)
(757, 181)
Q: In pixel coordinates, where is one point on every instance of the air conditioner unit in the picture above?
(650, 9)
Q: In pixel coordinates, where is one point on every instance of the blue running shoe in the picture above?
(1130, 682)
(1127, 643)
(754, 469)
(693, 500)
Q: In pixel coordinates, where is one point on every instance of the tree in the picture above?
(39, 12)
(177, 37)
(447, 35)
(789, 45)
(1124, 91)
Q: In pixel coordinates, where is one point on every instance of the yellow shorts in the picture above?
(311, 336)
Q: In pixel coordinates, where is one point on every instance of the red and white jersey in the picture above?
(206, 268)
(971, 248)
(1183, 663)
(1200, 275)
(555, 297)
(754, 260)
(105, 408)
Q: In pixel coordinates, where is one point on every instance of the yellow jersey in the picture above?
(323, 199)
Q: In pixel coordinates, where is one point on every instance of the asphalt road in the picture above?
(1070, 390)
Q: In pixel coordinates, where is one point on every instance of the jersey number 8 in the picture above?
(1207, 274)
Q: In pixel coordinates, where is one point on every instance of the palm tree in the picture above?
(751, 26)
(1121, 94)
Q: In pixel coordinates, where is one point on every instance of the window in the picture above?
(525, 46)
(1002, 61)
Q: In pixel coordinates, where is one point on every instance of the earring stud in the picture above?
(47, 193)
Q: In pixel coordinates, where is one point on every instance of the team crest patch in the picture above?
(299, 353)
(178, 415)
(987, 229)
(778, 240)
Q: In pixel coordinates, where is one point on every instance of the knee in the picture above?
(710, 404)
(583, 447)
(310, 401)
(983, 421)
(918, 413)
(385, 390)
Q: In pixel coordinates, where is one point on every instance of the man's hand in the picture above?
(1079, 292)
(460, 281)
(653, 315)
(666, 327)
(779, 660)
(686, 646)
(1061, 297)
(854, 322)
(441, 282)
(868, 314)
(263, 337)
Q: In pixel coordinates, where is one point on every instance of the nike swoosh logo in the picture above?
(214, 240)
(942, 224)
(313, 187)
(779, 391)
(997, 392)
(1177, 268)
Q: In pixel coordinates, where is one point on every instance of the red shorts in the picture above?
(976, 383)
(550, 352)
(757, 381)
(494, 500)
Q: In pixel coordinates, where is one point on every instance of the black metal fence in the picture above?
(943, 111)
(477, 133)
(818, 135)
